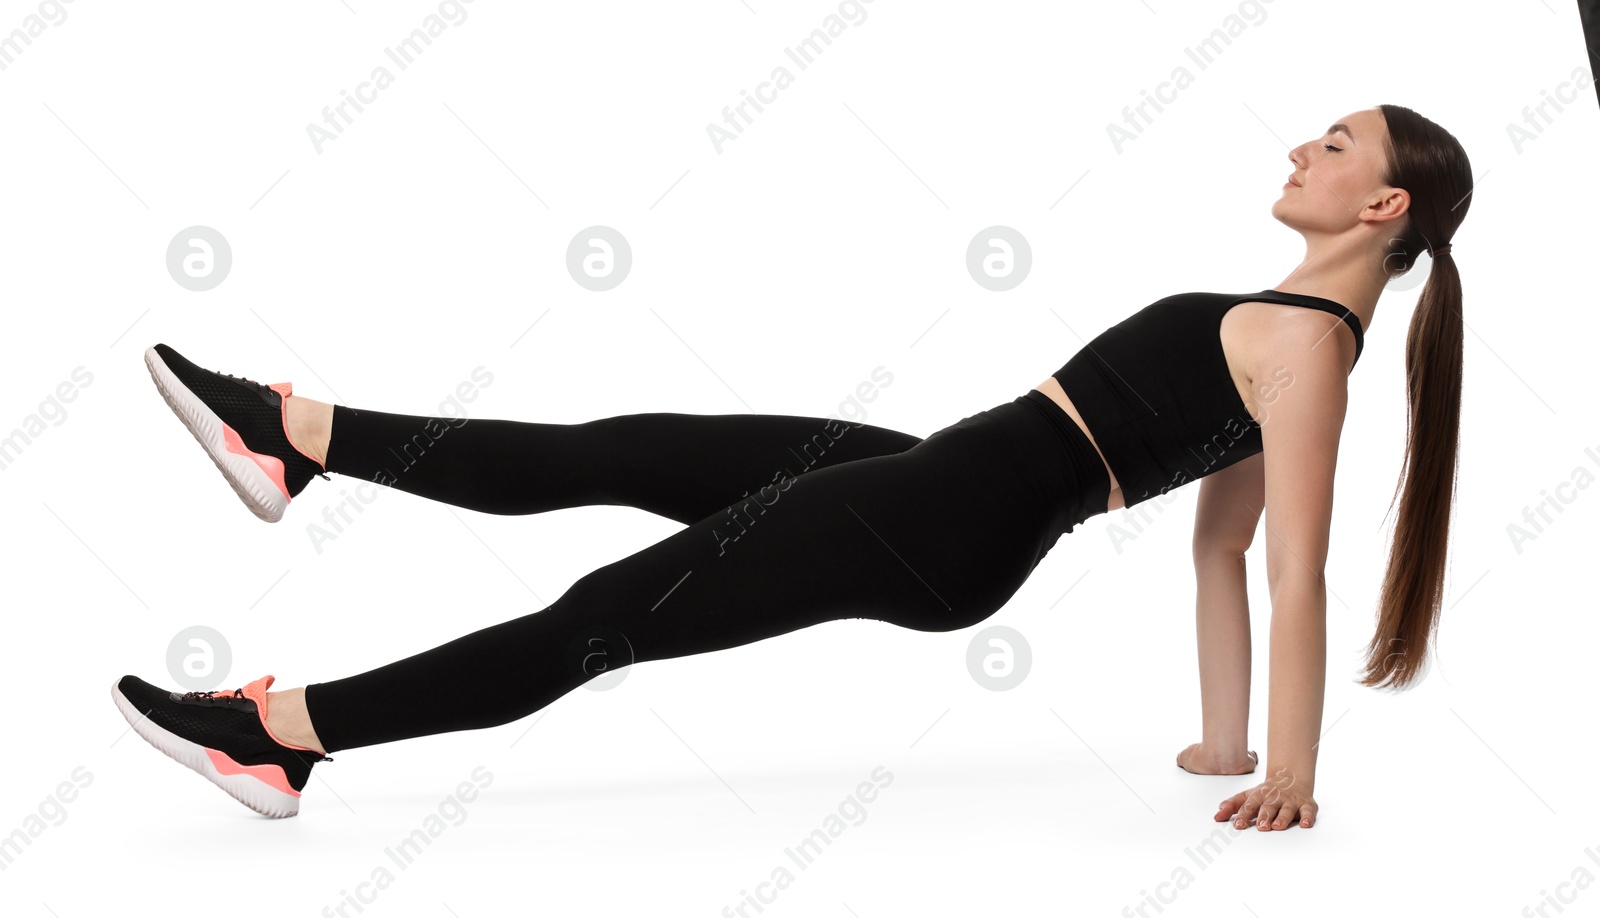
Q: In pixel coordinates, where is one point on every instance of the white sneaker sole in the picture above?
(253, 793)
(254, 487)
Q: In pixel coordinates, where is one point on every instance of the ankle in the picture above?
(289, 722)
(309, 425)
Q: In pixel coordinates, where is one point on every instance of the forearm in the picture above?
(1296, 683)
(1222, 636)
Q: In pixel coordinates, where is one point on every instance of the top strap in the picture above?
(1314, 302)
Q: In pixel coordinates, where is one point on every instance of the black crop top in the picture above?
(1155, 391)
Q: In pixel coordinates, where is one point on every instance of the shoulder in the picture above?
(1295, 340)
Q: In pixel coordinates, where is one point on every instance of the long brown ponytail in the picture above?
(1430, 164)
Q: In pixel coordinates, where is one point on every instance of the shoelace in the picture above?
(259, 387)
(244, 380)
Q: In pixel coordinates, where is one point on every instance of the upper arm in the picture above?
(1229, 508)
(1300, 445)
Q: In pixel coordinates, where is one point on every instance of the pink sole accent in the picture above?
(271, 775)
(271, 465)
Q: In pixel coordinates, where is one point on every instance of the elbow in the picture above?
(1300, 585)
(1208, 549)
(1214, 559)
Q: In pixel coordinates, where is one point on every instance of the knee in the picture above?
(592, 624)
(603, 594)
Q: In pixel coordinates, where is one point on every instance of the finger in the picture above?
(1227, 807)
(1308, 815)
(1264, 817)
(1246, 813)
(1286, 816)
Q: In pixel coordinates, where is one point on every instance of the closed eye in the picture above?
(1329, 146)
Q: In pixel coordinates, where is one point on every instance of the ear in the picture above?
(1388, 203)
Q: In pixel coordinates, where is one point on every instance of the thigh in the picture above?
(688, 466)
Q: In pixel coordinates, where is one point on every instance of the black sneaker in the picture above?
(222, 735)
(241, 424)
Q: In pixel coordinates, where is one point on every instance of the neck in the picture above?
(1345, 274)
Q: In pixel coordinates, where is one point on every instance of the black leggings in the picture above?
(791, 521)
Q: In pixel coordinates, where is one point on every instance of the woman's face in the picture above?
(1340, 179)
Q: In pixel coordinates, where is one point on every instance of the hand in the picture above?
(1198, 760)
(1273, 804)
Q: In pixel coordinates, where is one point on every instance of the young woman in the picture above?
(1245, 391)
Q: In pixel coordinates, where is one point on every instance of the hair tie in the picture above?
(1441, 250)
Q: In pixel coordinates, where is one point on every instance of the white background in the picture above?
(770, 277)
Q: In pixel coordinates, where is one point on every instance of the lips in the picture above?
(1293, 182)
